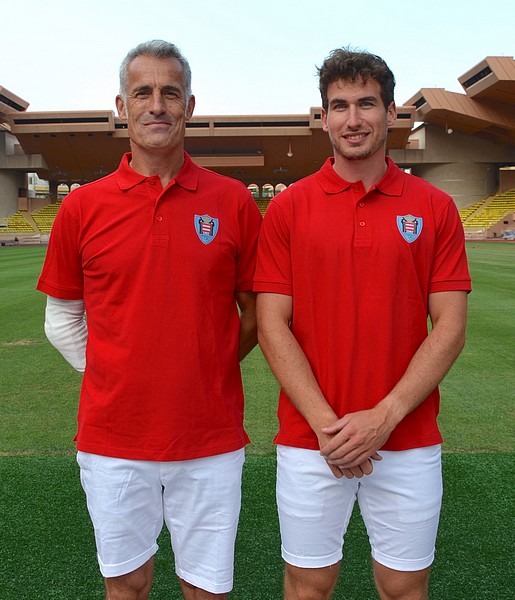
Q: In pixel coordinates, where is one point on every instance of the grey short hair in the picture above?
(157, 49)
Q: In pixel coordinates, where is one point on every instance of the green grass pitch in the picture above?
(47, 549)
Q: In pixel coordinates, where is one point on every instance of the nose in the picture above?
(353, 117)
(157, 105)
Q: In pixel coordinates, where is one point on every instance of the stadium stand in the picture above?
(17, 223)
(263, 205)
(490, 211)
(44, 218)
(468, 211)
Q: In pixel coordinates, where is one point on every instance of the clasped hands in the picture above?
(350, 444)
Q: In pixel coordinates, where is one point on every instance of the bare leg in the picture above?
(401, 585)
(133, 586)
(310, 584)
(191, 592)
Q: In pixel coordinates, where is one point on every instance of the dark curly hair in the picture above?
(352, 65)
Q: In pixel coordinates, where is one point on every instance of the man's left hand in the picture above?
(356, 438)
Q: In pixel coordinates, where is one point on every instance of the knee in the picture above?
(310, 584)
(401, 585)
(135, 585)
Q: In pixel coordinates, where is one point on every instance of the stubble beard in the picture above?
(358, 153)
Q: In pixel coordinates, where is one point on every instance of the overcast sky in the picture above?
(247, 57)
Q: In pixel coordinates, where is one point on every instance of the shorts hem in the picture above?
(116, 570)
(402, 564)
(204, 584)
(311, 562)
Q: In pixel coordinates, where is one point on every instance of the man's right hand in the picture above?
(365, 468)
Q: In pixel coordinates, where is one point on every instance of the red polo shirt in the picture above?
(158, 271)
(360, 267)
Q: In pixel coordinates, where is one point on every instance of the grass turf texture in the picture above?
(47, 548)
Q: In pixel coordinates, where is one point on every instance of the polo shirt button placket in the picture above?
(361, 204)
(152, 181)
(361, 232)
(159, 234)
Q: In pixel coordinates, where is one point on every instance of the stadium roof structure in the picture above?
(79, 146)
(486, 109)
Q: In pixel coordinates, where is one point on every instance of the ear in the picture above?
(190, 108)
(120, 106)
(391, 114)
(324, 120)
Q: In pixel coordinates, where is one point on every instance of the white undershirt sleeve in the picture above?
(66, 329)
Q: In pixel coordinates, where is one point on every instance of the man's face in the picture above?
(156, 106)
(356, 120)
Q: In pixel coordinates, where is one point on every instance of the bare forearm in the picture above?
(289, 363)
(293, 371)
(426, 370)
(359, 434)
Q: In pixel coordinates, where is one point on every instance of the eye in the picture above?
(140, 94)
(171, 93)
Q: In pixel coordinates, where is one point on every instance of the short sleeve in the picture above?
(61, 276)
(273, 269)
(450, 267)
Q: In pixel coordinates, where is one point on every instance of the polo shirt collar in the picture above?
(187, 177)
(391, 183)
(127, 177)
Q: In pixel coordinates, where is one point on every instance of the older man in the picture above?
(158, 255)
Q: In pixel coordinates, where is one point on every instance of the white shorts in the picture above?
(400, 504)
(129, 500)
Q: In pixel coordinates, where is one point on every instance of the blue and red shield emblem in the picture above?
(410, 227)
(206, 228)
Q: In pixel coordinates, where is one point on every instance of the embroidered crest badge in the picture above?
(410, 227)
(206, 228)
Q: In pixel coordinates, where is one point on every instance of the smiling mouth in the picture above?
(157, 123)
(355, 137)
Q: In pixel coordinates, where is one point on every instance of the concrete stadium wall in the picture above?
(10, 184)
(507, 180)
(441, 146)
(464, 166)
(467, 183)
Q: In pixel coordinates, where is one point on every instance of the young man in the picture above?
(351, 261)
(159, 256)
